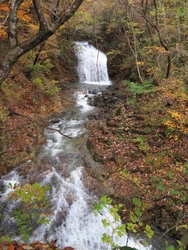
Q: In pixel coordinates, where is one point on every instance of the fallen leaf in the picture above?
(11, 247)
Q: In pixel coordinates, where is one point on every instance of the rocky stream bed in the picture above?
(123, 154)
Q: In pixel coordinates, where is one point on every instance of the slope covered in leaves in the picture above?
(33, 92)
(142, 142)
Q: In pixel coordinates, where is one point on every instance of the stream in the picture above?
(72, 220)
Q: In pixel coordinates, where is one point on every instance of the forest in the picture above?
(143, 139)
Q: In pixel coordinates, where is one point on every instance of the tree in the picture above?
(50, 15)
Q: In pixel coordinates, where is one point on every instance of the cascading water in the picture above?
(92, 64)
(72, 221)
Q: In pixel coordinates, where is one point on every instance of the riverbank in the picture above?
(29, 97)
(140, 143)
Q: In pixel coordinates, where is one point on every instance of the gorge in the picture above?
(60, 165)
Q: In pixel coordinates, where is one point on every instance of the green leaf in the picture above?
(140, 224)
(186, 167)
(120, 230)
(131, 227)
(149, 232)
(37, 80)
(106, 238)
(137, 202)
(97, 207)
(170, 175)
(170, 248)
(105, 223)
(161, 187)
(175, 192)
(184, 198)
(133, 217)
(138, 212)
(106, 200)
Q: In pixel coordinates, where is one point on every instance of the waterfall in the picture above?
(72, 220)
(92, 64)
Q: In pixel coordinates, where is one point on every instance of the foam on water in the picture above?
(73, 222)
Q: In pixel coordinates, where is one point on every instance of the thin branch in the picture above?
(43, 126)
(51, 11)
(43, 22)
(57, 130)
(174, 226)
(6, 18)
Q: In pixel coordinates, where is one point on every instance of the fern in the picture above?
(139, 89)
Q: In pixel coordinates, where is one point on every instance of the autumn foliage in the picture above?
(143, 140)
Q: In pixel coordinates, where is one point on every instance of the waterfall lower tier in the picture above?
(92, 64)
(72, 220)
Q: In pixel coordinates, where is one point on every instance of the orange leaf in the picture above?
(3, 34)
(4, 7)
(11, 247)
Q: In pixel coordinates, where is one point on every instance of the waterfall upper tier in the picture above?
(92, 64)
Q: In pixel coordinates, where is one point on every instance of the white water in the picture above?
(72, 221)
(92, 64)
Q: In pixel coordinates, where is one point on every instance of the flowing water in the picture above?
(72, 222)
(92, 64)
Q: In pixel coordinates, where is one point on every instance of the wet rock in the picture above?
(55, 120)
(166, 220)
(98, 158)
(28, 149)
(62, 86)
(68, 248)
(97, 101)
(97, 169)
(94, 92)
(91, 124)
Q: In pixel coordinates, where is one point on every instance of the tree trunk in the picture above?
(14, 54)
(46, 29)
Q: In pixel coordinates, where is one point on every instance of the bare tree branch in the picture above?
(12, 24)
(44, 25)
(43, 126)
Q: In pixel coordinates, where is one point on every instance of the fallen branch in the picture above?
(57, 130)
(43, 126)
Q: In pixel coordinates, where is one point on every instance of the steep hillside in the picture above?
(34, 90)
